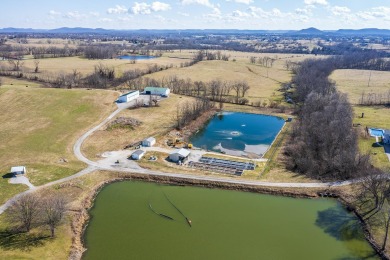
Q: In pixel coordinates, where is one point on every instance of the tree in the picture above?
(52, 212)
(36, 63)
(16, 63)
(24, 211)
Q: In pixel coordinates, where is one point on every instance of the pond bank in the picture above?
(81, 218)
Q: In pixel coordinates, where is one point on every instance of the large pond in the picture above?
(238, 133)
(136, 57)
(225, 225)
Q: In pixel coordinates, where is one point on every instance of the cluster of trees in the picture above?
(54, 52)
(373, 199)
(189, 111)
(30, 211)
(214, 90)
(101, 51)
(263, 61)
(373, 99)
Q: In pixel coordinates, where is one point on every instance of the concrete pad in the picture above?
(20, 179)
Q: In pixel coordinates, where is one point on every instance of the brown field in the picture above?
(355, 82)
(39, 127)
(156, 121)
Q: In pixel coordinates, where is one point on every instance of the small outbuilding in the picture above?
(179, 155)
(18, 170)
(137, 155)
(129, 96)
(164, 92)
(149, 142)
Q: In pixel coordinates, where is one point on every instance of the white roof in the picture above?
(18, 169)
(150, 139)
(183, 152)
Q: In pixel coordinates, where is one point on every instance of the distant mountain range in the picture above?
(308, 31)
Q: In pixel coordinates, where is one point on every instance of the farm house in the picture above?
(164, 92)
(179, 155)
(18, 170)
(149, 142)
(128, 96)
(137, 155)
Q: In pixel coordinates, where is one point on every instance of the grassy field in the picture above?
(39, 127)
(355, 82)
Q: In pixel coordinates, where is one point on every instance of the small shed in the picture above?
(129, 96)
(164, 92)
(149, 142)
(179, 155)
(137, 155)
(18, 169)
(386, 137)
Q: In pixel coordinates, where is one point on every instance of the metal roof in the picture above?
(183, 152)
(150, 139)
(18, 169)
(155, 88)
(138, 152)
(128, 93)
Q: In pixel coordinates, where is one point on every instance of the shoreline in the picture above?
(81, 219)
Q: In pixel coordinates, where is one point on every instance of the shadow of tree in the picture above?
(339, 224)
(21, 240)
(8, 175)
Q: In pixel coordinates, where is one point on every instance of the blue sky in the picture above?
(196, 14)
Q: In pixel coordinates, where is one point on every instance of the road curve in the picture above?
(92, 166)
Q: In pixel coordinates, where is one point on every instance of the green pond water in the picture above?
(225, 225)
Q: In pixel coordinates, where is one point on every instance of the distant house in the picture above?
(128, 96)
(137, 155)
(164, 92)
(18, 170)
(179, 155)
(386, 137)
(149, 142)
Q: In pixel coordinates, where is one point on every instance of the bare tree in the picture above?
(53, 210)
(36, 63)
(16, 63)
(244, 88)
(24, 211)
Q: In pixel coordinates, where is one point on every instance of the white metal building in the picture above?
(128, 96)
(164, 92)
(18, 170)
(137, 155)
(149, 142)
(179, 155)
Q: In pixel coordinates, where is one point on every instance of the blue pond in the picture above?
(238, 134)
(136, 57)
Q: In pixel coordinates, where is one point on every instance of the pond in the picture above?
(136, 57)
(238, 133)
(225, 225)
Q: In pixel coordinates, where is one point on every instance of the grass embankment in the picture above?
(354, 83)
(38, 244)
(39, 127)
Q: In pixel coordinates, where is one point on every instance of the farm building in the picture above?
(18, 170)
(149, 142)
(164, 92)
(128, 96)
(179, 155)
(137, 155)
(386, 137)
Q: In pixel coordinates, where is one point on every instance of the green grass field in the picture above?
(39, 127)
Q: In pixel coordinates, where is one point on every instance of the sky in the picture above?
(197, 14)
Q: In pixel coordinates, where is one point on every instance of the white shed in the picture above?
(164, 92)
(128, 96)
(18, 169)
(149, 142)
(137, 155)
(179, 155)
